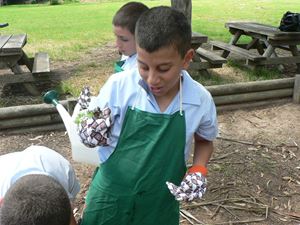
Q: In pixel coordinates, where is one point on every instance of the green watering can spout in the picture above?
(51, 97)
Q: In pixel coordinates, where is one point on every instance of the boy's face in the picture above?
(161, 69)
(125, 41)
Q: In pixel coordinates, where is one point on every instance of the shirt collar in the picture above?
(192, 96)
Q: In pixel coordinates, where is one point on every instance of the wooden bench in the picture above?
(217, 45)
(211, 57)
(205, 59)
(41, 63)
(39, 68)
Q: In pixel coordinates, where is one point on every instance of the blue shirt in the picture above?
(125, 89)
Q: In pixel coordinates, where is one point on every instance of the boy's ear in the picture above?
(188, 58)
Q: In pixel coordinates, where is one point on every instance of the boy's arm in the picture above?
(194, 183)
(203, 150)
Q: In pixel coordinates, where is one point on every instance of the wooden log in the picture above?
(27, 110)
(34, 129)
(185, 6)
(253, 96)
(296, 93)
(251, 105)
(30, 121)
(254, 86)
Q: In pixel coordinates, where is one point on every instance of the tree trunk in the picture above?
(184, 6)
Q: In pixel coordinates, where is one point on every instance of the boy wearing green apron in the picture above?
(157, 111)
(124, 28)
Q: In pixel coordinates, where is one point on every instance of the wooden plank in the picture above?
(277, 60)
(29, 110)
(41, 63)
(240, 51)
(296, 93)
(15, 43)
(184, 6)
(3, 40)
(252, 86)
(9, 60)
(210, 56)
(253, 96)
(29, 78)
(272, 32)
(198, 38)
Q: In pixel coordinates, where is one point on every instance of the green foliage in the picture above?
(83, 116)
(66, 87)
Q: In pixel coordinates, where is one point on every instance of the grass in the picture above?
(209, 17)
(66, 31)
(69, 31)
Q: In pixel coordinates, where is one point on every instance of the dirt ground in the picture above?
(254, 175)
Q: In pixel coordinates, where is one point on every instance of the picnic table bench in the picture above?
(13, 57)
(204, 59)
(265, 39)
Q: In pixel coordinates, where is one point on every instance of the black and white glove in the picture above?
(84, 98)
(193, 186)
(93, 125)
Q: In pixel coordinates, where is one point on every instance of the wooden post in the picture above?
(296, 94)
(184, 6)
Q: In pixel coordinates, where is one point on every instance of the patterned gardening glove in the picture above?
(94, 126)
(193, 185)
(84, 98)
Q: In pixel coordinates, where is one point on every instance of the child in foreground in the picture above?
(37, 186)
(157, 111)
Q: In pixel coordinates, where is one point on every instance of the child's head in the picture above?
(36, 199)
(163, 27)
(163, 38)
(124, 23)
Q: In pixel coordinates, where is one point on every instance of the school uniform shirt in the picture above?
(125, 89)
(130, 62)
(37, 160)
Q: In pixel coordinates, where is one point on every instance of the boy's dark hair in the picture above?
(128, 15)
(36, 200)
(162, 27)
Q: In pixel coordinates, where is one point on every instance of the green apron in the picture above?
(130, 187)
(118, 66)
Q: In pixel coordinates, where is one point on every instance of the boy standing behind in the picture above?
(124, 29)
(157, 111)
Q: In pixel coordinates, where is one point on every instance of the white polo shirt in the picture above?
(37, 160)
(126, 88)
(130, 62)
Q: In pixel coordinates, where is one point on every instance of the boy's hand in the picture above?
(94, 127)
(192, 187)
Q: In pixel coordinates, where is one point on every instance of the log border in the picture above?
(44, 117)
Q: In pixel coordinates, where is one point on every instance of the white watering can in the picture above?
(80, 152)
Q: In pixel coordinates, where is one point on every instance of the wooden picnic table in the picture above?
(265, 39)
(12, 56)
(203, 59)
